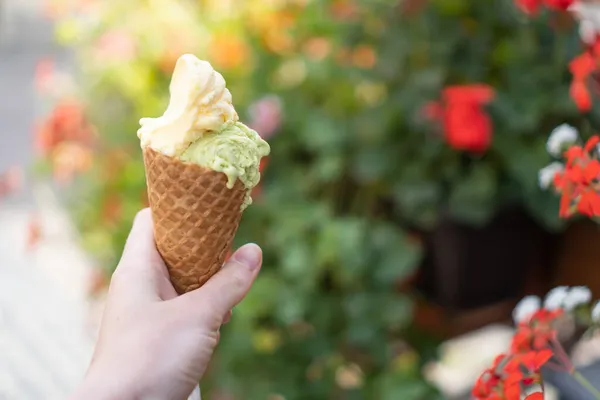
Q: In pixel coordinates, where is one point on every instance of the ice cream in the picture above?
(201, 126)
(201, 164)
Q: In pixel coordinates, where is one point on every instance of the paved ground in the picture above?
(44, 343)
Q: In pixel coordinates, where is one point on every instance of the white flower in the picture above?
(588, 13)
(578, 295)
(596, 312)
(587, 32)
(546, 174)
(526, 308)
(560, 137)
(555, 298)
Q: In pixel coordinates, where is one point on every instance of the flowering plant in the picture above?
(574, 176)
(384, 115)
(536, 344)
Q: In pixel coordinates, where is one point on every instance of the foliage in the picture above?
(357, 158)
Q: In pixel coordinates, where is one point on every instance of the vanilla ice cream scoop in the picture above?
(200, 104)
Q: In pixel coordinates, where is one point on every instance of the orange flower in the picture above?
(274, 30)
(67, 122)
(344, 10)
(364, 57)
(69, 159)
(111, 208)
(228, 51)
(317, 48)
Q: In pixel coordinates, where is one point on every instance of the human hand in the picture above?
(154, 344)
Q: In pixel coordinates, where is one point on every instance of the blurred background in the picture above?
(400, 211)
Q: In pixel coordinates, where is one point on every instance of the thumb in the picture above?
(227, 288)
(140, 244)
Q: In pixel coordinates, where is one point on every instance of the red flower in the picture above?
(559, 5)
(466, 125)
(530, 7)
(527, 338)
(533, 361)
(581, 68)
(467, 128)
(536, 333)
(535, 396)
(477, 94)
(578, 182)
(581, 95)
(67, 122)
(263, 164)
(257, 190)
(498, 383)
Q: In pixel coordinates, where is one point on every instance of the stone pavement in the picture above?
(44, 341)
(45, 344)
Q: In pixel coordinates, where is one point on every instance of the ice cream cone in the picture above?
(195, 217)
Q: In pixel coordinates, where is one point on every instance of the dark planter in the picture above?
(466, 268)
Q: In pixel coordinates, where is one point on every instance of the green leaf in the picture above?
(396, 257)
(472, 198)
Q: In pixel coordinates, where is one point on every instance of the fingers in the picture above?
(226, 289)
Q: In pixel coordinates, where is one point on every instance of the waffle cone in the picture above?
(195, 217)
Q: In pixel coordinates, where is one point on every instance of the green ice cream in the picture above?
(236, 151)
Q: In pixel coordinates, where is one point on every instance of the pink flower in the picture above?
(115, 45)
(266, 115)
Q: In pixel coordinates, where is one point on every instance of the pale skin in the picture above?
(154, 344)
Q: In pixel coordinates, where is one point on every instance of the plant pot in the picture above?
(578, 261)
(468, 268)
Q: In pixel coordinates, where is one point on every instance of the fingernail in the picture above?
(250, 255)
